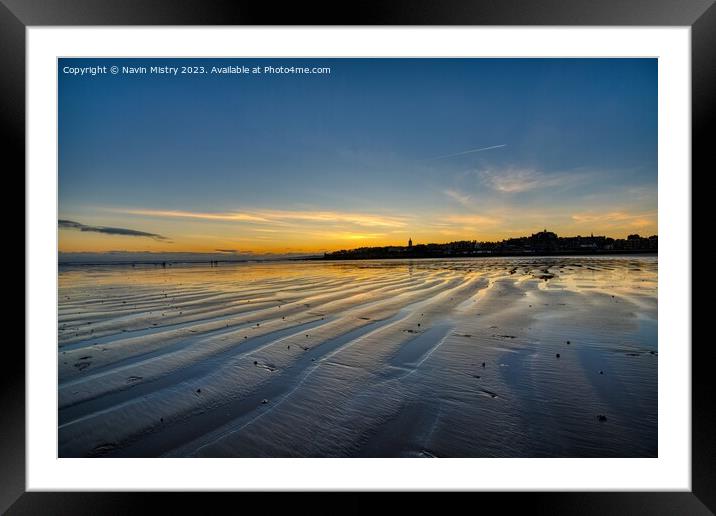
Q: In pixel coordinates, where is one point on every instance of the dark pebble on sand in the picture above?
(568, 342)
(557, 355)
(198, 391)
(256, 362)
(601, 418)
(483, 364)
(601, 372)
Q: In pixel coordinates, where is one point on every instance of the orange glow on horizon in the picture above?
(285, 243)
(270, 231)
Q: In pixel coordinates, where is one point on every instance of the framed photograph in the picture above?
(416, 250)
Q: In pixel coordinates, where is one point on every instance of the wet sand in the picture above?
(501, 357)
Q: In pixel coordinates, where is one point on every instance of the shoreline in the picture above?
(158, 263)
(515, 254)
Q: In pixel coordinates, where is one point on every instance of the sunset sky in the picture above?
(375, 152)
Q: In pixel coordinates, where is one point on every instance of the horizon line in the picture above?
(239, 253)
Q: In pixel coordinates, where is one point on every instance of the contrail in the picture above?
(467, 152)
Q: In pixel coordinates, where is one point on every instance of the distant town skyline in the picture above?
(561, 243)
(372, 154)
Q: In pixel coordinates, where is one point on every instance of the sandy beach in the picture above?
(501, 357)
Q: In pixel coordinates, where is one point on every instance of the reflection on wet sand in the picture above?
(504, 357)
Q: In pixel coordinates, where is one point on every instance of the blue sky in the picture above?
(369, 154)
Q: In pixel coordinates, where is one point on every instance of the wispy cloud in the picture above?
(235, 216)
(509, 181)
(343, 235)
(70, 224)
(461, 197)
(618, 218)
(472, 220)
(515, 180)
(469, 151)
(361, 219)
(518, 180)
(281, 216)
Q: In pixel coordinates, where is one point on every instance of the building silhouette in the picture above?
(541, 243)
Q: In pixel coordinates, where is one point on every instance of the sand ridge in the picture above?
(365, 358)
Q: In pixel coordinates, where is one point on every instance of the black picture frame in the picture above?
(700, 15)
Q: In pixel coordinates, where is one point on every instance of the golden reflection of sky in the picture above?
(610, 276)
